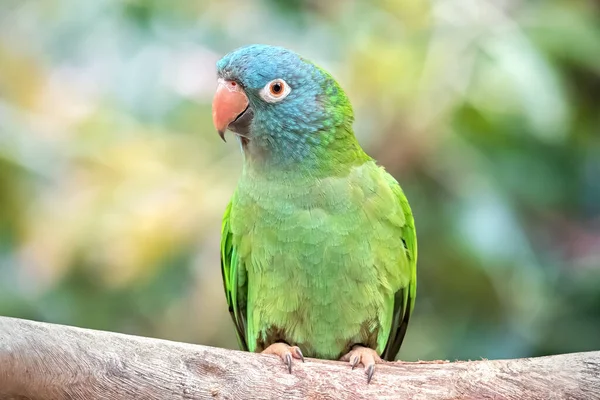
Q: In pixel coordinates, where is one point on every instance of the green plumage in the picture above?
(319, 252)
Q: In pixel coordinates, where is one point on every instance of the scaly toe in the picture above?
(285, 352)
(365, 356)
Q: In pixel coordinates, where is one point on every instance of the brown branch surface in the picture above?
(46, 362)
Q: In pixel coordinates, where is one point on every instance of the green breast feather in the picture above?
(322, 264)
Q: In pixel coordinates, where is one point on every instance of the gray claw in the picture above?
(354, 361)
(370, 371)
(288, 361)
(299, 353)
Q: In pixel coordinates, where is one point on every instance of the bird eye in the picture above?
(277, 88)
(275, 91)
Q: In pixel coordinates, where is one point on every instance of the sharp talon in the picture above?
(299, 353)
(354, 361)
(285, 352)
(363, 355)
(288, 361)
(370, 371)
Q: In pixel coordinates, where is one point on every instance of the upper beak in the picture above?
(229, 103)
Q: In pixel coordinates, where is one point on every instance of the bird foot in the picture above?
(285, 352)
(365, 356)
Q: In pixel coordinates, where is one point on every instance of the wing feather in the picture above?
(404, 300)
(235, 291)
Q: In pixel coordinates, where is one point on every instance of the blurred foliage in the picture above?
(113, 181)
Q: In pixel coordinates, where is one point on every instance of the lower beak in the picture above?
(229, 103)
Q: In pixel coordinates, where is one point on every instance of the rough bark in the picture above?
(46, 362)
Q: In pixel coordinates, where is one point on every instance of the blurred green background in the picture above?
(113, 180)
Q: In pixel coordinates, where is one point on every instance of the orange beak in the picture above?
(229, 103)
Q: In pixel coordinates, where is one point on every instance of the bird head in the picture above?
(273, 97)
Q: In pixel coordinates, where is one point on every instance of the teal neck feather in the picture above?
(333, 153)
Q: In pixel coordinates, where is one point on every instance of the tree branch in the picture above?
(46, 361)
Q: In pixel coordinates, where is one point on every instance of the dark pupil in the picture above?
(276, 88)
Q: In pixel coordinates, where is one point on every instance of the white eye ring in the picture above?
(275, 91)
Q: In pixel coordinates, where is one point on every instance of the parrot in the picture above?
(318, 242)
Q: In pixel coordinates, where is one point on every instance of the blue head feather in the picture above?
(309, 117)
